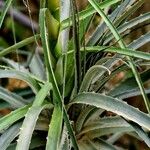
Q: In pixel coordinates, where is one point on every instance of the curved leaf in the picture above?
(22, 76)
(89, 77)
(13, 99)
(105, 123)
(82, 118)
(114, 105)
(9, 135)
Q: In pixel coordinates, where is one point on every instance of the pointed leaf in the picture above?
(114, 105)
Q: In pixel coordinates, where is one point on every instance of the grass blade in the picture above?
(4, 11)
(18, 45)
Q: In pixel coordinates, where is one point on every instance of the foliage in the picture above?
(67, 70)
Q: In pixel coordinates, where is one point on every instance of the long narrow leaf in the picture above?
(13, 99)
(114, 105)
(18, 45)
(31, 118)
(4, 11)
(128, 85)
(14, 116)
(102, 26)
(122, 45)
(88, 12)
(123, 51)
(129, 25)
(22, 76)
(9, 135)
(140, 41)
(54, 133)
(51, 76)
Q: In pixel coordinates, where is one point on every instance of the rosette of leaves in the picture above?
(68, 102)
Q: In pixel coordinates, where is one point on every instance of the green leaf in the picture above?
(9, 135)
(65, 142)
(18, 45)
(104, 124)
(128, 25)
(128, 85)
(87, 12)
(22, 76)
(31, 118)
(12, 117)
(13, 99)
(114, 105)
(99, 31)
(4, 11)
(123, 51)
(51, 77)
(129, 11)
(82, 118)
(140, 41)
(54, 133)
(123, 45)
(89, 77)
(37, 67)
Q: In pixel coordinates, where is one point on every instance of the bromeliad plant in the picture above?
(68, 103)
